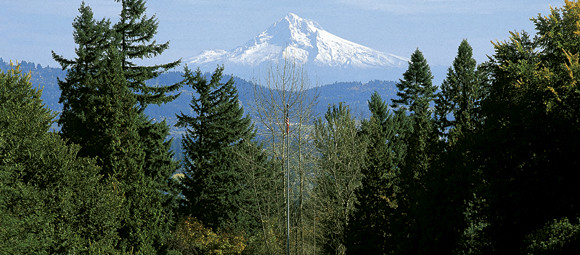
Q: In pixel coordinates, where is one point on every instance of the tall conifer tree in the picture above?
(416, 89)
(416, 93)
(103, 112)
(460, 95)
(370, 231)
(78, 89)
(136, 32)
(450, 204)
(213, 183)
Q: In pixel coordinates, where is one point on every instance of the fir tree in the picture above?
(370, 231)
(416, 89)
(379, 109)
(460, 95)
(92, 38)
(448, 204)
(213, 183)
(136, 33)
(102, 114)
(416, 92)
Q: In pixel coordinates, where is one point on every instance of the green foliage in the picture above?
(442, 211)
(416, 89)
(493, 170)
(261, 177)
(529, 139)
(51, 200)
(370, 230)
(460, 96)
(135, 32)
(473, 239)
(102, 112)
(416, 93)
(504, 180)
(342, 152)
(558, 236)
(213, 185)
(92, 39)
(194, 238)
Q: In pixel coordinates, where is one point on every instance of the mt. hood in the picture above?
(326, 57)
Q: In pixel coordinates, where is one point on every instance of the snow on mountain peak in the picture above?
(303, 41)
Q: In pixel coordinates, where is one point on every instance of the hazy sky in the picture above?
(30, 29)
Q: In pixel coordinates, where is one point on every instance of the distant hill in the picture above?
(354, 94)
(42, 77)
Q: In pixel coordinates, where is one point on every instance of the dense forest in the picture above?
(484, 163)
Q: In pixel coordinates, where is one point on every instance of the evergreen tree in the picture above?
(101, 114)
(51, 200)
(416, 89)
(449, 184)
(136, 33)
(460, 95)
(213, 185)
(416, 92)
(92, 38)
(370, 231)
(97, 104)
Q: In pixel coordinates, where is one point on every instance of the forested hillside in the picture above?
(354, 94)
(484, 163)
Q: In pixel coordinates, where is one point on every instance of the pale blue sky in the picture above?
(30, 29)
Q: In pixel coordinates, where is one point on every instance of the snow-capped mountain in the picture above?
(326, 57)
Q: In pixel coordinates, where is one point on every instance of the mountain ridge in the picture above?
(353, 93)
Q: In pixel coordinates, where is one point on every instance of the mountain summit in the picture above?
(326, 57)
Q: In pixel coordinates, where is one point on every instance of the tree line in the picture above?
(485, 163)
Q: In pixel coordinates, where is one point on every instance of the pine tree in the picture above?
(213, 183)
(379, 109)
(416, 89)
(416, 92)
(135, 32)
(448, 204)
